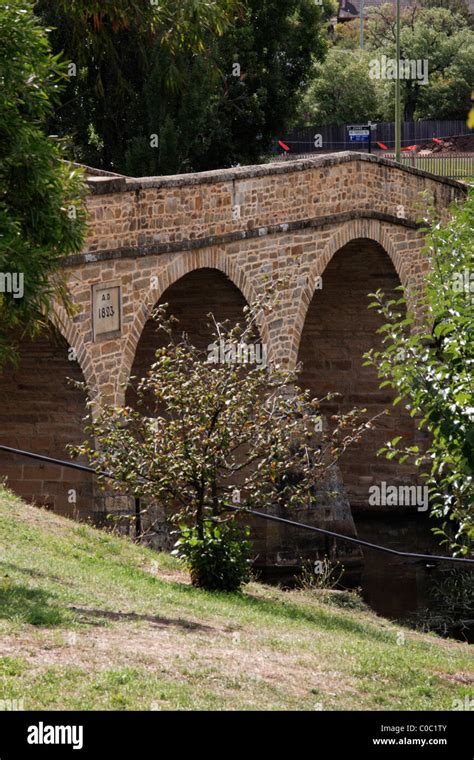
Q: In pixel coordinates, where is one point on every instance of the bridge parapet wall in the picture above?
(163, 213)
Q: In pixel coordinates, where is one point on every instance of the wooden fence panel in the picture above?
(334, 138)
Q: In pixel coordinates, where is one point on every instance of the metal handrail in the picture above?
(350, 539)
(243, 508)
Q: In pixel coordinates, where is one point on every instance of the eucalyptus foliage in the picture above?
(344, 90)
(41, 213)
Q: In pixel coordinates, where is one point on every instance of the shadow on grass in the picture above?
(94, 617)
(328, 620)
(33, 573)
(33, 606)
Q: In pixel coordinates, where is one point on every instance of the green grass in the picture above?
(90, 621)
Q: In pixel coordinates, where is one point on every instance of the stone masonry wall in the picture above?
(41, 410)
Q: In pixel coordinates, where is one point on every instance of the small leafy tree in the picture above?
(210, 426)
(41, 214)
(428, 357)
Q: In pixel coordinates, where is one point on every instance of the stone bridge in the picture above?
(334, 228)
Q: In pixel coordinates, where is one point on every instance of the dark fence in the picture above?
(302, 139)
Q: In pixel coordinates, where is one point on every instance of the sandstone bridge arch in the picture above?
(176, 271)
(249, 226)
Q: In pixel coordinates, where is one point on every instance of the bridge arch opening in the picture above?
(338, 330)
(191, 299)
(41, 411)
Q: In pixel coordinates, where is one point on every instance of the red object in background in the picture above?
(382, 146)
(410, 147)
(282, 145)
(437, 140)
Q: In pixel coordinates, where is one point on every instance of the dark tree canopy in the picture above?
(177, 87)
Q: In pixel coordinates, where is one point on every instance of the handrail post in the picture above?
(138, 519)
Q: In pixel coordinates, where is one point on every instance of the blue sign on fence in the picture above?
(359, 133)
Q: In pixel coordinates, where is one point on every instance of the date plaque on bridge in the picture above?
(106, 310)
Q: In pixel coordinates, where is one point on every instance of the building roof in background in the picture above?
(349, 9)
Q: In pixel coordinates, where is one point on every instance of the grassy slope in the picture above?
(90, 621)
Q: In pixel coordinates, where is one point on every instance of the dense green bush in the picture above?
(220, 560)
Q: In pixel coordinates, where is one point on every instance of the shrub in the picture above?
(42, 215)
(220, 560)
